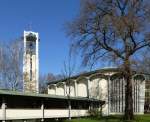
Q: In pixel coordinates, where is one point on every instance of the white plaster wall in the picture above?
(103, 94)
(72, 90)
(51, 90)
(58, 113)
(37, 62)
(82, 88)
(23, 113)
(60, 90)
(14, 114)
(94, 88)
(99, 90)
(1, 114)
(103, 89)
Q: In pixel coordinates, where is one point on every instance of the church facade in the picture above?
(105, 84)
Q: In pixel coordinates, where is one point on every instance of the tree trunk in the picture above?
(69, 107)
(128, 91)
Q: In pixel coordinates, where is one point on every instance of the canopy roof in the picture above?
(44, 96)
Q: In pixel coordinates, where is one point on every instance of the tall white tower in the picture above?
(31, 62)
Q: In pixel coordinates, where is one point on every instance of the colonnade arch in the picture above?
(117, 93)
(52, 89)
(82, 87)
(98, 86)
(70, 85)
(138, 92)
(60, 90)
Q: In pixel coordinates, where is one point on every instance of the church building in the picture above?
(100, 89)
(104, 84)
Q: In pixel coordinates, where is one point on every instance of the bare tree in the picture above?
(68, 71)
(143, 63)
(43, 84)
(51, 77)
(46, 78)
(11, 65)
(116, 30)
(144, 67)
(2, 66)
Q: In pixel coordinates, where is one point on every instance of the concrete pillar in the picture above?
(65, 89)
(3, 107)
(89, 106)
(69, 112)
(88, 87)
(37, 62)
(55, 88)
(48, 89)
(76, 89)
(109, 94)
(42, 109)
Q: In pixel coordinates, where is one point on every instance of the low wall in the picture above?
(14, 114)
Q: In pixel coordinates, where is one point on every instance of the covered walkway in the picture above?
(24, 106)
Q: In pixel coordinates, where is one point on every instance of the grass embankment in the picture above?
(142, 118)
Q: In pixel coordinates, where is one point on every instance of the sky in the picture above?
(47, 17)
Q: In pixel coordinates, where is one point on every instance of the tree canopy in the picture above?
(115, 29)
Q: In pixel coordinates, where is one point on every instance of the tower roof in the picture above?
(31, 37)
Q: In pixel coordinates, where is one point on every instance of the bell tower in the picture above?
(31, 62)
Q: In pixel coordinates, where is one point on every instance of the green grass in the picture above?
(141, 118)
(82, 120)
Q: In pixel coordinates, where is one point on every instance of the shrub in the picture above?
(95, 113)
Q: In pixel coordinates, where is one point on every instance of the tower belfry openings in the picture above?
(31, 62)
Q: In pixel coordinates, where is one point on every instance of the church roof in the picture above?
(103, 70)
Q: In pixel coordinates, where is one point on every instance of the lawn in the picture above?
(142, 118)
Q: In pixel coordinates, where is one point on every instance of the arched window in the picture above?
(117, 93)
(138, 92)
